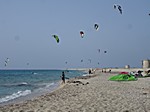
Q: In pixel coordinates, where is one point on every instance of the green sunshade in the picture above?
(123, 77)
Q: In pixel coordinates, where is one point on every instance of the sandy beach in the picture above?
(91, 94)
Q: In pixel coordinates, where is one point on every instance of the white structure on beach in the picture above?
(127, 66)
(146, 63)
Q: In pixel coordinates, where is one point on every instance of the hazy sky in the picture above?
(27, 26)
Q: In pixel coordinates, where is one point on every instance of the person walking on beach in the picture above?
(63, 77)
(90, 71)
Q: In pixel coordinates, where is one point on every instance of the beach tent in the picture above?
(123, 77)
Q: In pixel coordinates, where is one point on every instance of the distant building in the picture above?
(146, 63)
(127, 66)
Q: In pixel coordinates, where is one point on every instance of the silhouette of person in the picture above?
(63, 77)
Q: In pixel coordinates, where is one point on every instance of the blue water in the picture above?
(20, 83)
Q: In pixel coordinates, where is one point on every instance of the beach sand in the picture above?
(91, 94)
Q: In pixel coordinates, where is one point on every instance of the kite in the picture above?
(114, 6)
(96, 26)
(123, 77)
(105, 51)
(149, 14)
(82, 60)
(56, 37)
(82, 34)
(6, 61)
(119, 8)
(99, 50)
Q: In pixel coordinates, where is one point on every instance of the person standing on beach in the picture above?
(63, 77)
(89, 71)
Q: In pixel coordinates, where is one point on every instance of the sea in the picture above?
(19, 85)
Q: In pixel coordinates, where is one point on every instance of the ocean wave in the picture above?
(15, 95)
(85, 74)
(44, 87)
(34, 73)
(22, 84)
(16, 84)
(49, 84)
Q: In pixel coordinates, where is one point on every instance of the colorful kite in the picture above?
(82, 34)
(56, 38)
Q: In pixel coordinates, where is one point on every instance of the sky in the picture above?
(27, 26)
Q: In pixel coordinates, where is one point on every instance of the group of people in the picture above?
(142, 74)
(104, 70)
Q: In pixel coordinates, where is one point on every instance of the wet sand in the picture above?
(91, 94)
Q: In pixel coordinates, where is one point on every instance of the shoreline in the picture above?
(32, 95)
(21, 102)
(53, 85)
(91, 94)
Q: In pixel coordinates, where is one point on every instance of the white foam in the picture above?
(22, 84)
(15, 95)
(15, 84)
(50, 84)
(85, 74)
(35, 73)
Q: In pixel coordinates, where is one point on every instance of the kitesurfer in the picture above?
(63, 77)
